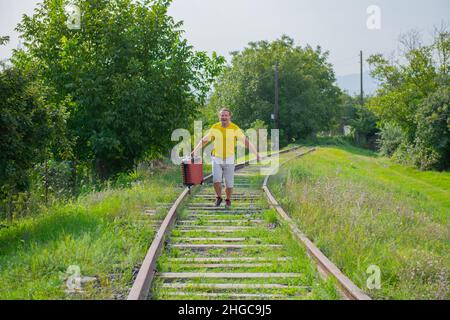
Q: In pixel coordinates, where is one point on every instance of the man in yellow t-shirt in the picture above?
(225, 135)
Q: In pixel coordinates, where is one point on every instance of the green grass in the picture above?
(268, 231)
(362, 210)
(318, 287)
(104, 233)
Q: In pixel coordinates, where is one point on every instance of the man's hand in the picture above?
(201, 144)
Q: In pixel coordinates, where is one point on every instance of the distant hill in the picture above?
(351, 83)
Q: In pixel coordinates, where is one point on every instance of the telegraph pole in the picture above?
(362, 88)
(276, 114)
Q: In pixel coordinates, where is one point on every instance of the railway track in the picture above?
(251, 251)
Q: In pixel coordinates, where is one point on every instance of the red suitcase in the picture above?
(192, 172)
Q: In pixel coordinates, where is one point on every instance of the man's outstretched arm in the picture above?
(251, 147)
(205, 140)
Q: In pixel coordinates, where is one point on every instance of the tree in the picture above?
(413, 99)
(308, 97)
(432, 141)
(131, 76)
(364, 123)
(403, 88)
(30, 128)
(391, 138)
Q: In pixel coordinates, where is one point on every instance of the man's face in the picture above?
(224, 117)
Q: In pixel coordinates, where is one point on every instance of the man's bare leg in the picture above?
(218, 189)
(229, 192)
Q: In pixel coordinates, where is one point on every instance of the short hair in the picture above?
(225, 110)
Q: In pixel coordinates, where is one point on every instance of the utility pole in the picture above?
(362, 88)
(276, 114)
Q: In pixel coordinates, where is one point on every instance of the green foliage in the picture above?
(391, 137)
(433, 131)
(30, 126)
(413, 98)
(403, 88)
(362, 120)
(365, 122)
(53, 178)
(131, 76)
(4, 40)
(308, 97)
(258, 124)
(79, 104)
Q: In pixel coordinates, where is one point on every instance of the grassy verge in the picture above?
(363, 210)
(104, 234)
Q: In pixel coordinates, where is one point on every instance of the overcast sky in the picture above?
(339, 26)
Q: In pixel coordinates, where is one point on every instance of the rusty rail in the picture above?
(143, 282)
(326, 267)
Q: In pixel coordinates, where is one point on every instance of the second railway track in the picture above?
(251, 251)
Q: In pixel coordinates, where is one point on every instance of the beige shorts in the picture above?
(223, 172)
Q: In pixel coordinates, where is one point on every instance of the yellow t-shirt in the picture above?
(224, 137)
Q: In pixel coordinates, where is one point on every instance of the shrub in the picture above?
(432, 141)
(391, 137)
(53, 178)
(404, 154)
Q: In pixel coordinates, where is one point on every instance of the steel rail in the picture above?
(325, 266)
(142, 284)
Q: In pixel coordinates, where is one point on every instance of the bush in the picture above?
(404, 154)
(391, 137)
(127, 179)
(432, 141)
(30, 127)
(415, 96)
(54, 178)
(19, 204)
(425, 158)
(364, 124)
(430, 146)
